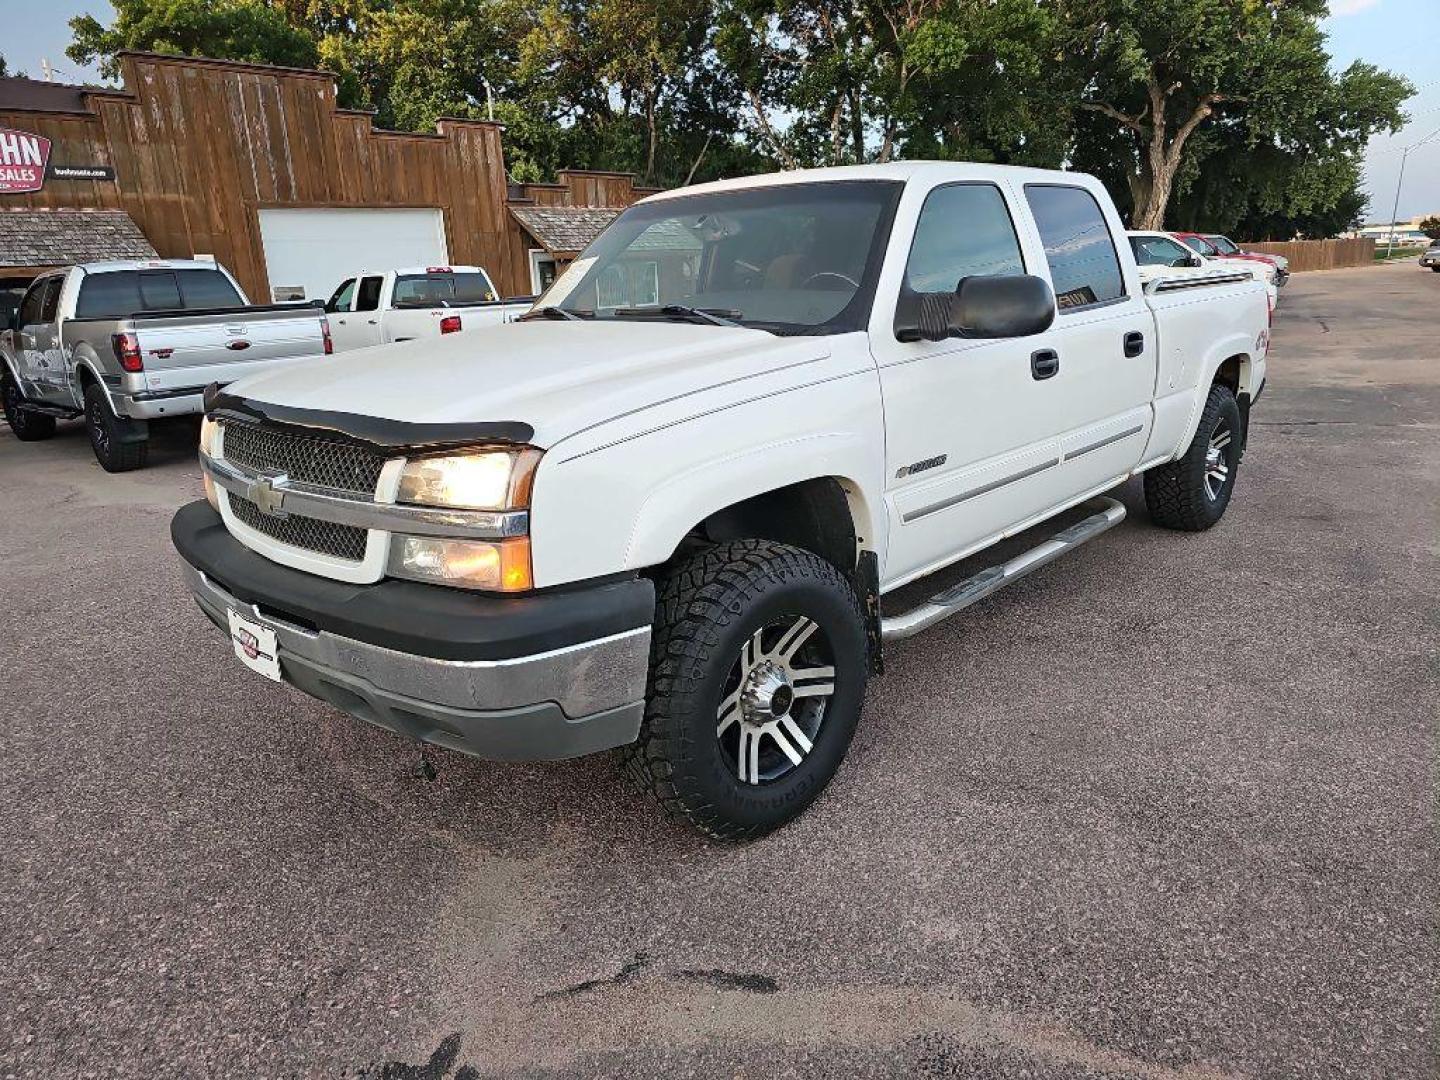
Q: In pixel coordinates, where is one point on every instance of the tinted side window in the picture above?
(367, 298)
(109, 296)
(964, 230)
(207, 289)
(1083, 265)
(159, 290)
(52, 299)
(31, 305)
(341, 297)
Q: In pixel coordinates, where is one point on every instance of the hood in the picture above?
(558, 377)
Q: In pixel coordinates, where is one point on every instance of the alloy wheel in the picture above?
(1217, 461)
(775, 698)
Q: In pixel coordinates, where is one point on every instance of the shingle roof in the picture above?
(59, 237)
(564, 230)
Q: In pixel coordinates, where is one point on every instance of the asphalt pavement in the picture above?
(1166, 809)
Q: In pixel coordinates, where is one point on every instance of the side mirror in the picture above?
(1015, 305)
(1196, 261)
(983, 306)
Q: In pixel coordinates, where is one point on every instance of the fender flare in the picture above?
(1202, 389)
(77, 383)
(673, 508)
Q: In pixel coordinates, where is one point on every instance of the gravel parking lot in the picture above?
(1165, 809)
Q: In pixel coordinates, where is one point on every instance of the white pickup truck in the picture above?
(126, 342)
(382, 307)
(672, 527)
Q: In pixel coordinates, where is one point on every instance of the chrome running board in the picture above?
(1107, 514)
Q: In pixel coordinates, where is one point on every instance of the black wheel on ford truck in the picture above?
(116, 446)
(28, 426)
(1191, 494)
(758, 667)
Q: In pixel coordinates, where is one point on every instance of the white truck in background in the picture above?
(123, 343)
(672, 509)
(382, 307)
(1159, 255)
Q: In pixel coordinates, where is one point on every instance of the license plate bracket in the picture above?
(256, 645)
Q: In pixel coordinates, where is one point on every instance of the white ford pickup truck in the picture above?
(671, 527)
(383, 307)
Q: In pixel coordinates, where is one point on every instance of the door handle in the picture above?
(1134, 343)
(370, 321)
(1044, 363)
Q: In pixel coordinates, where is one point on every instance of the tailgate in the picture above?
(194, 343)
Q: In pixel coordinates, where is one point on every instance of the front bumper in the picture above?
(540, 677)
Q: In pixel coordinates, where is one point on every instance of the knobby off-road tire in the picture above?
(27, 426)
(758, 667)
(108, 435)
(1191, 494)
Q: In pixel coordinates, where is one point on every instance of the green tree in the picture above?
(250, 30)
(1430, 226)
(1156, 75)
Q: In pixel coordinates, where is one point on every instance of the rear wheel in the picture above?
(1191, 494)
(758, 669)
(28, 426)
(115, 441)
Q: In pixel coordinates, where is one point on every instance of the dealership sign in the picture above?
(23, 158)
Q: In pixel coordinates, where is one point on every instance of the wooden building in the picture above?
(256, 167)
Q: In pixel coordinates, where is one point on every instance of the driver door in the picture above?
(38, 339)
(345, 329)
(970, 424)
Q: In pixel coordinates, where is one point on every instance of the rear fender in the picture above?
(1208, 372)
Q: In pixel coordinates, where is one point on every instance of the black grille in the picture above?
(325, 537)
(303, 458)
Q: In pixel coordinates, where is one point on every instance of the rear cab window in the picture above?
(436, 289)
(1084, 266)
(117, 293)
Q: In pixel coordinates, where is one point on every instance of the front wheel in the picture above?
(1191, 494)
(757, 673)
(28, 426)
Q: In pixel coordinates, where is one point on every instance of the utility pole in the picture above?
(1395, 210)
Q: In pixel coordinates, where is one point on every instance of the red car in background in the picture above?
(1222, 247)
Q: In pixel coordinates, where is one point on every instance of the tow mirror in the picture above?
(983, 306)
(1008, 306)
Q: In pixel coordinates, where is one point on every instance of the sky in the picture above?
(1402, 36)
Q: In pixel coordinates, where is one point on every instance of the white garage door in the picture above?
(315, 250)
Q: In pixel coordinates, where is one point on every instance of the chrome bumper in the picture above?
(551, 705)
(157, 406)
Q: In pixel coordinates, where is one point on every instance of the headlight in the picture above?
(495, 480)
(496, 565)
(483, 480)
(209, 429)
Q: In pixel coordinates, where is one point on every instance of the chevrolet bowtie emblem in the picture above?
(264, 494)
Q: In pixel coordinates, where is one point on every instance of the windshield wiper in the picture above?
(713, 316)
(549, 311)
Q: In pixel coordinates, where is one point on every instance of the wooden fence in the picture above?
(1320, 254)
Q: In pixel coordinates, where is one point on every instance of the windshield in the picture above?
(1227, 247)
(792, 259)
(1159, 251)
